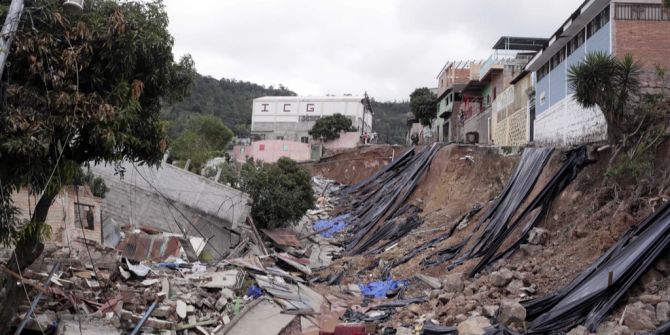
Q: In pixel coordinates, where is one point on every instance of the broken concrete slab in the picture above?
(264, 317)
(88, 327)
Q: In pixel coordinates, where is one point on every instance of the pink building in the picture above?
(271, 151)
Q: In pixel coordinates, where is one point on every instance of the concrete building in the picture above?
(639, 28)
(280, 127)
(510, 56)
(174, 201)
(514, 111)
(452, 79)
(291, 118)
(448, 123)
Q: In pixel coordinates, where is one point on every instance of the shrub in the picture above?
(281, 192)
(330, 127)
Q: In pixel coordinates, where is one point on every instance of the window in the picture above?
(285, 148)
(641, 12)
(84, 216)
(543, 71)
(304, 139)
(598, 22)
(576, 42)
(495, 92)
(309, 118)
(281, 138)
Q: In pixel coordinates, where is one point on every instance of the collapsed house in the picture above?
(74, 215)
(371, 258)
(174, 202)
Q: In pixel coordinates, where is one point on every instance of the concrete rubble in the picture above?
(111, 293)
(300, 281)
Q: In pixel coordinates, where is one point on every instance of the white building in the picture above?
(291, 118)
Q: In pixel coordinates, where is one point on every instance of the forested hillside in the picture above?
(227, 99)
(231, 101)
(390, 121)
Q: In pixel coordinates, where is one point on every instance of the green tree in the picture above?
(330, 127)
(613, 85)
(203, 138)
(79, 88)
(423, 103)
(87, 178)
(391, 120)
(281, 192)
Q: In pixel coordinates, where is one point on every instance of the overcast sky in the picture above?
(318, 47)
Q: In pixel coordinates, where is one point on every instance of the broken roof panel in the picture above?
(143, 247)
(263, 317)
(283, 237)
(182, 186)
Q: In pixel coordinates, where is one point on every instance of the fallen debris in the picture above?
(592, 294)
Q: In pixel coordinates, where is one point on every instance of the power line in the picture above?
(169, 202)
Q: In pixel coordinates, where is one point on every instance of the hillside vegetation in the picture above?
(390, 121)
(228, 99)
(231, 101)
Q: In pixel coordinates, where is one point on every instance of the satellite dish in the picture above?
(73, 5)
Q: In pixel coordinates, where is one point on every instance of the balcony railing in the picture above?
(501, 58)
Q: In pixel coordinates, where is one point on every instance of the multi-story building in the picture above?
(448, 125)
(453, 77)
(639, 28)
(291, 118)
(513, 112)
(510, 56)
(280, 127)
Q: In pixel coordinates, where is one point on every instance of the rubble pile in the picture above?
(113, 294)
(339, 270)
(118, 293)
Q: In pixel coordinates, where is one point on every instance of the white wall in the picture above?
(568, 123)
(291, 109)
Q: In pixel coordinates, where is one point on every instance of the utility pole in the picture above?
(8, 31)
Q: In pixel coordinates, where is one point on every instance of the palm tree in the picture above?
(610, 83)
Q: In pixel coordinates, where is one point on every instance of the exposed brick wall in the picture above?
(648, 42)
(450, 77)
(62, 214)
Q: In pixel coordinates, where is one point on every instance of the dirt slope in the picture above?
(353, 165)
(583, 222)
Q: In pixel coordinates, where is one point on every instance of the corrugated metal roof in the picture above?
(283, 237)
(143, 247)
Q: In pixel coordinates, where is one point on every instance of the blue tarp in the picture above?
(328, 228)
(379, 289)
(254, 291)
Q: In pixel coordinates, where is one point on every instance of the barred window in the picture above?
(641, 12)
